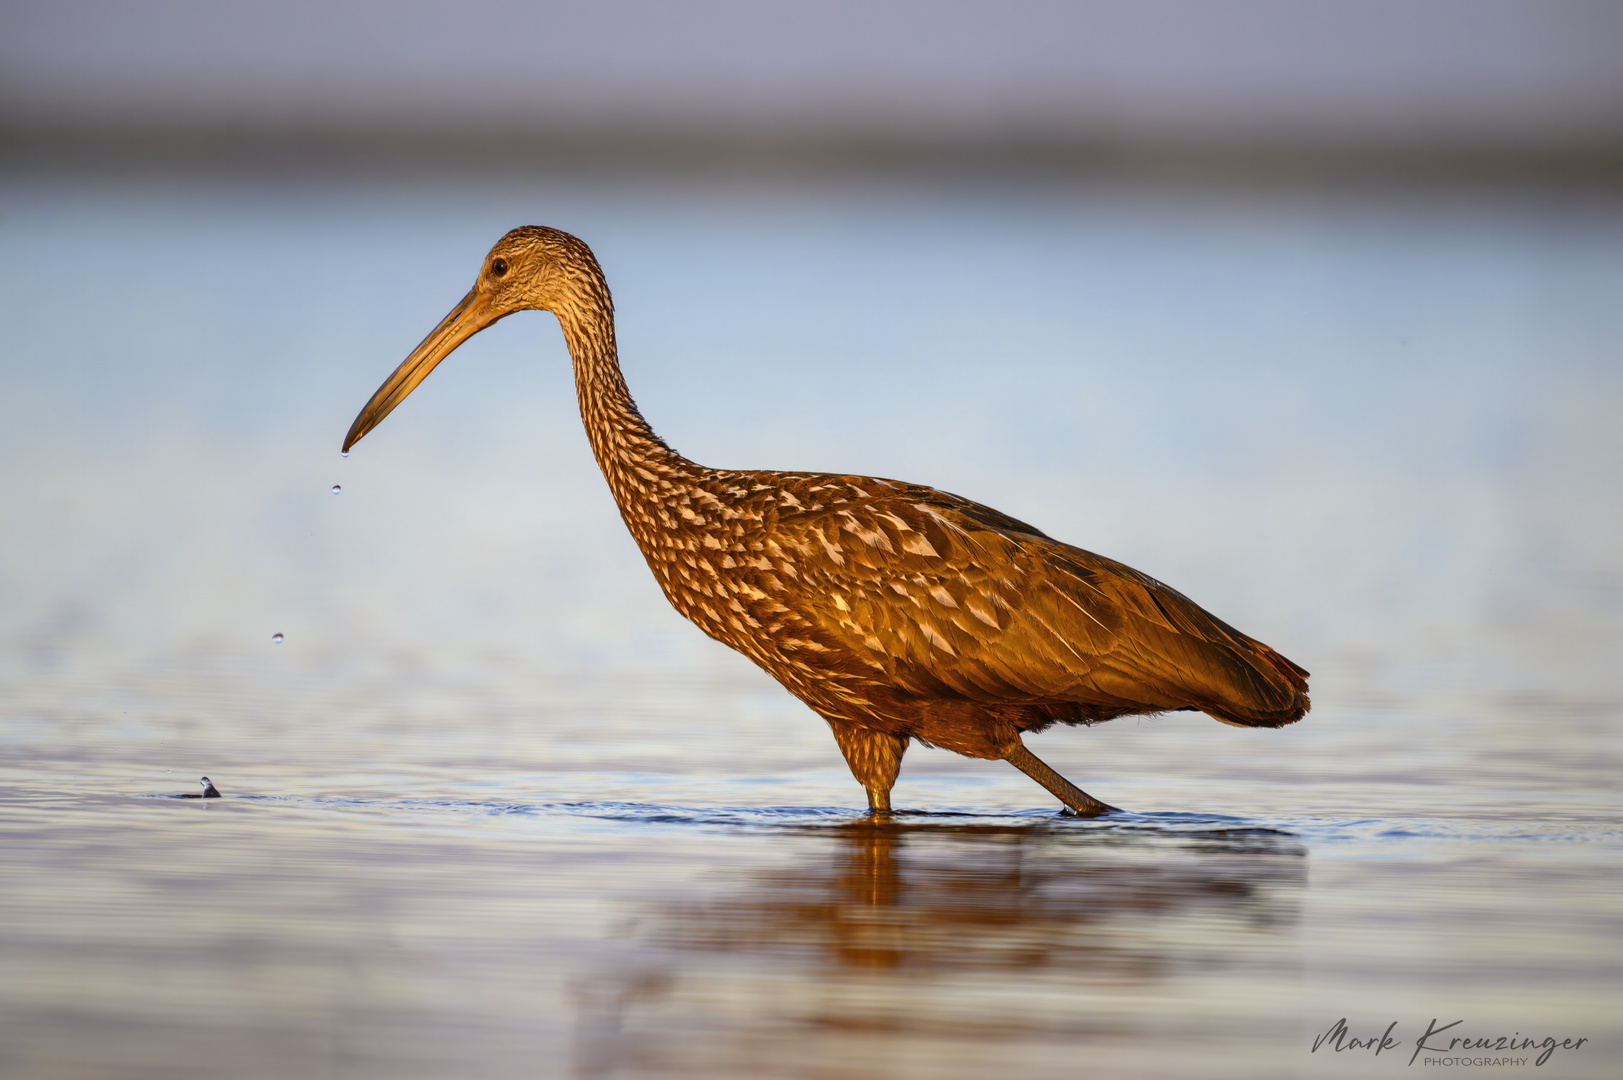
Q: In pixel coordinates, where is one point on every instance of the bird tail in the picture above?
(1278, 691)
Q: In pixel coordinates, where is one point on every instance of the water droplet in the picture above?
(276, 639)
(343, 453)
(336, 489)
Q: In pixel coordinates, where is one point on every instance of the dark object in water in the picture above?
(896, 611)
(209, 791)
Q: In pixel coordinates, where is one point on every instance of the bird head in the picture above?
(531, 268)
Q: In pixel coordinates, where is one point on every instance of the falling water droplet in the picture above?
(276, 639)
(336, 489)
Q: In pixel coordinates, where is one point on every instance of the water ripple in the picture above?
(1121, 826)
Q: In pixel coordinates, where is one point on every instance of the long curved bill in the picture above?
(469, 317)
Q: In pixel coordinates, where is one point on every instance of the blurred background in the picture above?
(1294, 246)
(1508, 84)
(1313, 311)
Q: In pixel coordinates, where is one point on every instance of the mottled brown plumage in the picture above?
(895, 611)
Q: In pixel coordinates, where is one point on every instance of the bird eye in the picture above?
(498, 267)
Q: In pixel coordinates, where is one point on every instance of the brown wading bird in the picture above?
(895, 611)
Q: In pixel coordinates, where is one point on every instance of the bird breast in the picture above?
(825, 576)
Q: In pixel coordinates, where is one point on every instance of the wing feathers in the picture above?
(964, 599)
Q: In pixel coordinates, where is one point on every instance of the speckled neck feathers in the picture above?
(637, 463)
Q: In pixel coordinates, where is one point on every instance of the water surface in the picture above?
(490, 807)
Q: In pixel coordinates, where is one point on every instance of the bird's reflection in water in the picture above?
(925, 934)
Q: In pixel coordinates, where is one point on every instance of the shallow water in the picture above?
(490, 807)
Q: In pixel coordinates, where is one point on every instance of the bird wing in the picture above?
(951, 597)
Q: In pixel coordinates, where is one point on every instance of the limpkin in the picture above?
(894, 610)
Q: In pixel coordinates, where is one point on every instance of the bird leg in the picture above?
(875, 757)
(1062, 789)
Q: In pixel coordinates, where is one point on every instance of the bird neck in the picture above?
(636, 462)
